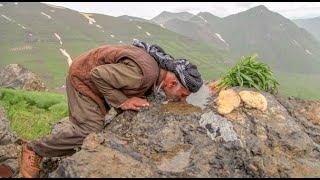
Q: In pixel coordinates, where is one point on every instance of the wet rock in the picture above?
(227, 101)
(200, 98)
(17, 77)
(254, 100)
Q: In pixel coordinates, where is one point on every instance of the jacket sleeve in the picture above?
(111, 78)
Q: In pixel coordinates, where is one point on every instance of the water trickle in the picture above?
(199, 98)
(180, 108)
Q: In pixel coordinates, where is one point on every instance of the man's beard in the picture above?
(161, 93)
(168, 97)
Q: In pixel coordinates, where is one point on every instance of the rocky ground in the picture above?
(179, 140)
(183, 141)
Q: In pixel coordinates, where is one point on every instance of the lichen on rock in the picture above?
(218, 126)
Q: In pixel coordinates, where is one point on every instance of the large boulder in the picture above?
(17, 77)
(177, 140)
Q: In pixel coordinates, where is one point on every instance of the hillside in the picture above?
(291, 52)
(278, 41)
(312, 25)
(45, 38)
(132, 18)
(40, 37)
(205, 17)
(197, 31)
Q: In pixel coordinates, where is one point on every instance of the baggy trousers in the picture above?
(85, 116)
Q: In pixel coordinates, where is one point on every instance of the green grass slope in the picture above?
(28, 37)
(33, 114)
(78, 35)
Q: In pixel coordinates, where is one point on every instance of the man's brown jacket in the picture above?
(80, 70)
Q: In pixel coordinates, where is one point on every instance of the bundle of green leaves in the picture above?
(249, 73)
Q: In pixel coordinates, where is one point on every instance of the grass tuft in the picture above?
(33, 114)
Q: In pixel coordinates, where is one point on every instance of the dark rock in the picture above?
(169, 142)
(281, 141)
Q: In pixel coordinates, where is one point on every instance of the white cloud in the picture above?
(148, 10)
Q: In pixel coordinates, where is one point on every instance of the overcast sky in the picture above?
(148, 10)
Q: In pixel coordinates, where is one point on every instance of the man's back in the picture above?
(80, 77)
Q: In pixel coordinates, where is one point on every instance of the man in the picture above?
(105, 77)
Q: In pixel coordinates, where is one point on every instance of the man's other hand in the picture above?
(134, 103)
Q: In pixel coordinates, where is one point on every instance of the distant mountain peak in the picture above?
(166, 15)
(204, 13)
(167, 12)
(260, 7)
(257, 10)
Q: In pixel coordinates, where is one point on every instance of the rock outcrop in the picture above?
(17, 77)
(168, 140)
(180, 140)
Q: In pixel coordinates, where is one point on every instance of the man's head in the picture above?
(184, 76)
(173, 89)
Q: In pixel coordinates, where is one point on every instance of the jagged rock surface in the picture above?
(182, 141)
(179, 140)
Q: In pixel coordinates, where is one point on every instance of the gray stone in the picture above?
(15, 76)
(167, 142)
(178, 140)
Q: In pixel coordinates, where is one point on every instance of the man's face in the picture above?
(175, 91)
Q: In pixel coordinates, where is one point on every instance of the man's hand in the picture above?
(134, 103)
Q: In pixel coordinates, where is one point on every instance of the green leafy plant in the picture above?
(249, 73)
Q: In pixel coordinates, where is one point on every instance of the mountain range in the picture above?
(45, 38)
(277, 40)
(312, 25)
